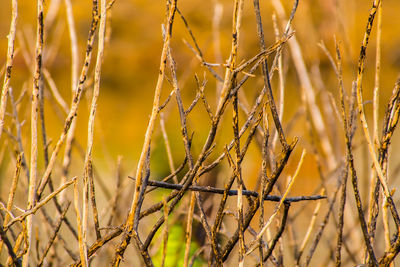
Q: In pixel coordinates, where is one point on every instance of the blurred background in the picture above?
(130, 71)
(132, 59)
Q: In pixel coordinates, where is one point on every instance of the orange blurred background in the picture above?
(130, 71)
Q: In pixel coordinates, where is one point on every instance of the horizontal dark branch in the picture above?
(209, 189)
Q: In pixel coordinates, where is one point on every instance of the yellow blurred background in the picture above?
(130, 71)
(132, 56)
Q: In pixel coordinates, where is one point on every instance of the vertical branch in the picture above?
(281, 79)
(34, 124)
(377, 74)
(354, 179)
(229, 82)
(74, 45)
(74, 84)
(239, 180)
(360, 102)
(11, 195)
(346, 125)
(377, 166)
(343, 195)
(264, 179)
(88, 176)
(168, 147)
(237, 15)
(139, 178)
(390, 123)
(189, 227)
(374, 182)
(75, 102)
(146, 175)
(386, 228)
(82, 244)
(237, 18)
(267, 82)
(308, 90)
(165, 233)
(13, 189)
(9, 63)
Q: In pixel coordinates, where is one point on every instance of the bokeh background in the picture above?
(130, 70)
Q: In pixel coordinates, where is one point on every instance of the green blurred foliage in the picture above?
(176, 248)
